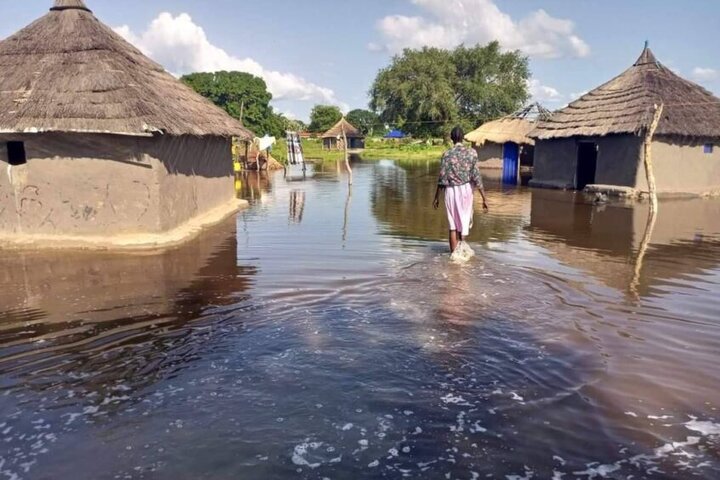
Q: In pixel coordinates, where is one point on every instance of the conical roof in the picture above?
(515, 127)
(337, 130)
(626, 104)
(68, 4)
(68, 72)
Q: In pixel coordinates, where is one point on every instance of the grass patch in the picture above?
(375, 149)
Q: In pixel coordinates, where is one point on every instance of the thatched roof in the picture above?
(511, 128)
(68, 72)
(350, 130)
(626, 105)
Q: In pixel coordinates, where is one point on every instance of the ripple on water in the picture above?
(345, 345)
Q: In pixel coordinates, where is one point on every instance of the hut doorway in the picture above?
(511, 163)
(586, 164)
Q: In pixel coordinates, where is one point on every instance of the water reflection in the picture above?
(252, 185)
(616, 244)
(297, 206)
(87, 320)
(330, 337)
(402, 202)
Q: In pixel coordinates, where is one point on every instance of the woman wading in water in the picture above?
(459, 175)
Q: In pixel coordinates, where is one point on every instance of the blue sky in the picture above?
(328, 51)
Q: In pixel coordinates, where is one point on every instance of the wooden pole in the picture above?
(347, 158)
(652, 187)
(247, 154)
(652, 215)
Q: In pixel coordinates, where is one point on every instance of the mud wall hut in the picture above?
(505, 143)
(96, 139)
(599, 139)
(333, 138)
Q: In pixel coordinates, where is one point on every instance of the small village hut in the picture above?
(600, 139)
(505, 143)
(333, 138)
(97, 139)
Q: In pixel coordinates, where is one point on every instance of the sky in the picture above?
(329, 51)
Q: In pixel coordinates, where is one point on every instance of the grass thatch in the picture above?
(68, 72)
(511, 128)
(350, 130)
(626, 104)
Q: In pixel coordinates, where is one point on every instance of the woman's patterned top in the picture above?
(460, 166)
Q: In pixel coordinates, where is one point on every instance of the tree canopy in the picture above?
(240, 93)
(365, 120)
(323, 117)
(425, 91)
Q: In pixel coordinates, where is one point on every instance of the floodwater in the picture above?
(323, 333)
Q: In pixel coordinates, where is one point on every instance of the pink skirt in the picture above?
(459, 206)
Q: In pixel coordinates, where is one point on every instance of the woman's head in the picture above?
(457, 135)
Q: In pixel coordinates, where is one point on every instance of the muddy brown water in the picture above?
(323, 334)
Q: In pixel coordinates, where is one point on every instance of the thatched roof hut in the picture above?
(333, 138)
(506, 143)
(625, 105)
(97, 141)
(515, 127)
(599, 138)
(337, 130)
(68, 72)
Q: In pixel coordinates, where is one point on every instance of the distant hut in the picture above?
(333, 138)
(97, 139)
(505, 143)
(598, 140)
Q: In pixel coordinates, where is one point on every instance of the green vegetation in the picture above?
(240, 94)
(377, 149)
(425, 91)
(311, 147)
(323, 117)
(366, 121)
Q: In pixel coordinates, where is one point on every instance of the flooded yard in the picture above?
(323, 333)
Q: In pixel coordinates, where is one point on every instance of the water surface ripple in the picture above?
(323, 334)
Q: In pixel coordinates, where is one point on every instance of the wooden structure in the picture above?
(98, 140)
(505, 143)
(602, 141)
(334, 138)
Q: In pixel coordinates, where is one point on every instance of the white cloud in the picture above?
(448, 23)
(705, 74)
(543, 93)
(181, 46)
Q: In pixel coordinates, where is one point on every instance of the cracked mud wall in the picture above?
(75, 184)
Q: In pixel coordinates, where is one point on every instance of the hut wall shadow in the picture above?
(89, 308)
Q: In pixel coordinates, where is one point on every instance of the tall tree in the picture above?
(426, 91)
(323, 117)
(239, 93)
(365, 120)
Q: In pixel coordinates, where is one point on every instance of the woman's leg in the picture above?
(453, 240)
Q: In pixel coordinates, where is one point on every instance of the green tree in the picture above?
(365, 120)
(239, 93)
(323, 117)
(294, 125)
(425, 91)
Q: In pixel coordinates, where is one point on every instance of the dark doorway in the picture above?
(586, 164)
(16, 153)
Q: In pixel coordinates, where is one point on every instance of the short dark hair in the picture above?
(457, 135)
